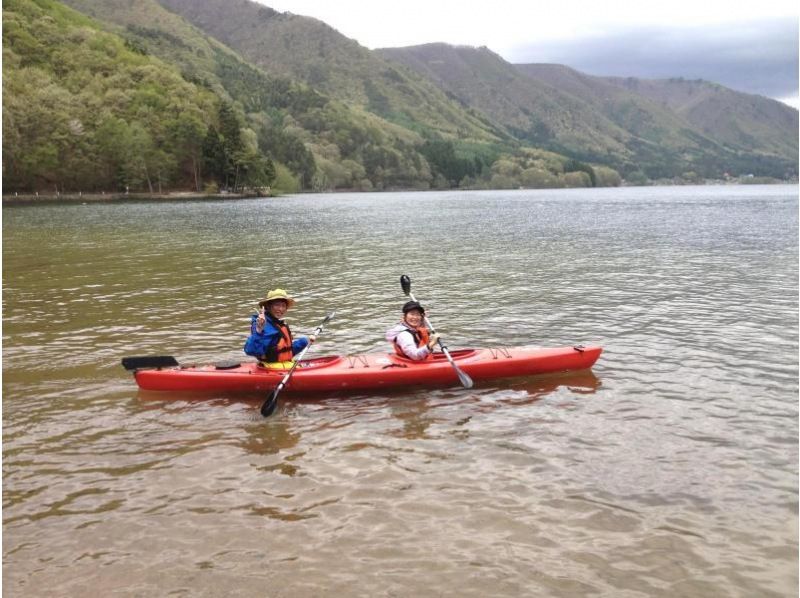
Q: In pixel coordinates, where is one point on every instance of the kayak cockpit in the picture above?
(305, 364)
(437, 357)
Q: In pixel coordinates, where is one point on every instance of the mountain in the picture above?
(176, 94)
(663, 128)
(444, 143)
(311, 51)
(326, 143)
(533, 112)
(632, 133)
(742, 123)
(254, 128)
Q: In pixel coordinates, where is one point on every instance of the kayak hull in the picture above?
(370, 371)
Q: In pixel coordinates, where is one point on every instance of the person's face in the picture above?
(277, 309)
(414, 318)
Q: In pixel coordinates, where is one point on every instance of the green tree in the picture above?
(502, 181)
(607, 177)
(539, 178)
(442, 158)
(577, 178)
(576, 166)
(285, 181)
(637, 177)
(214, 157)
(188, 132)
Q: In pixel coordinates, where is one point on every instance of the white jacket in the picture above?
(401, 334)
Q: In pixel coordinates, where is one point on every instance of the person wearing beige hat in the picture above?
(270, 338)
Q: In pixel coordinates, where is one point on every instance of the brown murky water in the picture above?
(671, 469)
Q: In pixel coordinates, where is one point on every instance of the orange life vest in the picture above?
(282, 351)
(421, 337)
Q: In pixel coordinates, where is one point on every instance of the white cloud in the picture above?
(793, 101)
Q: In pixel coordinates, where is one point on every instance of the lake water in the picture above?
(670, 469)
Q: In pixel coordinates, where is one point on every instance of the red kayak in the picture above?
(368, 371)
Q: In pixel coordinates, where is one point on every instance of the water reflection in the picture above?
(584, 382)
(270, 439)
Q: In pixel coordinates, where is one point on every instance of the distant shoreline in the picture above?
(50, 198)
(80, 197)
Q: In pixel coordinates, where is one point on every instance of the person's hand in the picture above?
(434, 338)
(311, 339)
(261, 320)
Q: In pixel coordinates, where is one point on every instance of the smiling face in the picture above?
(277, 309)
(413, 318)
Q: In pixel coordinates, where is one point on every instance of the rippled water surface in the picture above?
(670, 469)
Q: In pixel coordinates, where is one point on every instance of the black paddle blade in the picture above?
(149, 363)
(405, 283)
(268, 407)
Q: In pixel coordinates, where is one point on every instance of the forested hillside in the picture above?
(89, 109)
(113, 128)
(181, 95)
(326, 143)
(311, 51)
(644, 129)
(756, 134)
(83, 109)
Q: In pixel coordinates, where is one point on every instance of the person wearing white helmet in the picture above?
(410, 338)
(270, 338)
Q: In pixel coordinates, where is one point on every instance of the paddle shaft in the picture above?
(462, 376)
(296, 361)
(269, 405)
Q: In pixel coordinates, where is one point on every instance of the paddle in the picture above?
(466, 381)
(268, 407)
(149, 363)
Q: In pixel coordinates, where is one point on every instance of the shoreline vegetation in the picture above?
(266, 193)
(80, 197)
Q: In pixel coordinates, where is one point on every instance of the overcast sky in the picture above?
(744, 46)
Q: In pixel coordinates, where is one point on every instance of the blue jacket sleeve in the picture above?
(299, 344)
(257, 343)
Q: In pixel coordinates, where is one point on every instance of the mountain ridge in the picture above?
(692, 100)
(655, 134)
(659, 141)
(315, 53)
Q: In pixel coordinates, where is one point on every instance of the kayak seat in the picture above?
(276, 365)
(305, 364)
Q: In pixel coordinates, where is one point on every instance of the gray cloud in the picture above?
(758, 57)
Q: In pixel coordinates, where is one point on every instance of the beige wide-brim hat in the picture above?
(276, 294)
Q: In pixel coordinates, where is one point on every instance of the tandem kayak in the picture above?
(369, 371)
